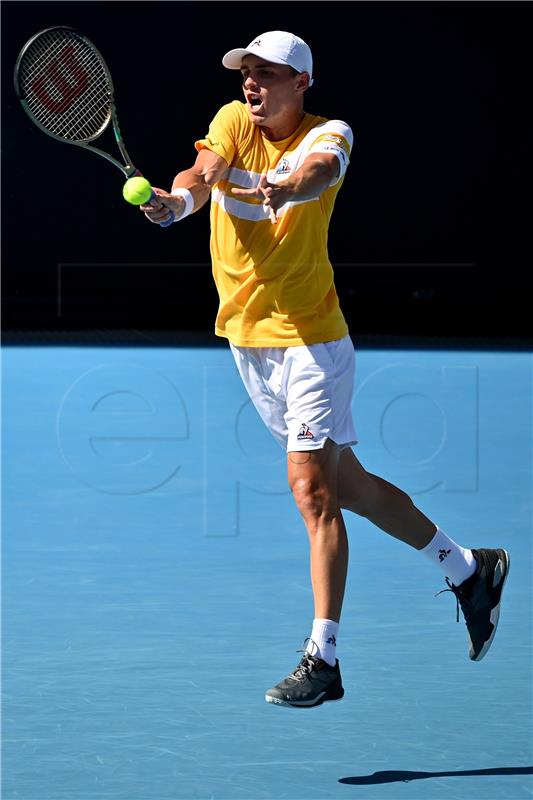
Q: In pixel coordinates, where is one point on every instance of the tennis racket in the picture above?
(66, 89)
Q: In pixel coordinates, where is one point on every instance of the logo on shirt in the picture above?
(283, 167)
(330, 138)
(304, 432)
(340, 141)
(340, 153)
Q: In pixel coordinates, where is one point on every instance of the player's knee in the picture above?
(313, 499)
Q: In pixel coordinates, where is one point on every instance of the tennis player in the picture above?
(273, 172)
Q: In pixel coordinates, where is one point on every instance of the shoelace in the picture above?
(306, 665)
(466, 606)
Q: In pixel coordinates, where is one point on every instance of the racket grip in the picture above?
(168, 222)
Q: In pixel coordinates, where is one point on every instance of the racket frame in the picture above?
(127, 168)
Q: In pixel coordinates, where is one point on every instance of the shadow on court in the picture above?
(395, 776)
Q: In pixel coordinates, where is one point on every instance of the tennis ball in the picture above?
(137, 191)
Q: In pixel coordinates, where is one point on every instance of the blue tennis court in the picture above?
(155, 583)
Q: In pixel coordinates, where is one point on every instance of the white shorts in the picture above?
(304, 393)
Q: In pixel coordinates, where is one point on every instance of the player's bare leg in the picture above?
(476, 577)
(313, 481)
(382, 503)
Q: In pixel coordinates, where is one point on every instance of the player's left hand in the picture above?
(272, 194)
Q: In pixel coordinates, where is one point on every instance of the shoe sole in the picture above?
(313, 704)
(495, 613)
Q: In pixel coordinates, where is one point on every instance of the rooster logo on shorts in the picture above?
(304, 432)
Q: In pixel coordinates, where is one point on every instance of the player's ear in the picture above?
(303, 82)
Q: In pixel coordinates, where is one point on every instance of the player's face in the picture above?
(270, 90)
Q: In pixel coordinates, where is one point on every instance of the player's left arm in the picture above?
(318, 171)
(325, 164)
(315, 175)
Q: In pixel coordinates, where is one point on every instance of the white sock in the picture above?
(323, 640)
(456, 562)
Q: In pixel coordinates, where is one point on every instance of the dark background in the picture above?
(431, 234)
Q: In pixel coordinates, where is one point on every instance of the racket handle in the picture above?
(168, 222)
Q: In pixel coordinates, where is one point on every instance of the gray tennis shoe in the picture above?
(312, 683)
(480, 598)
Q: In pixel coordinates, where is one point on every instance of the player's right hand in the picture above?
(159, 211)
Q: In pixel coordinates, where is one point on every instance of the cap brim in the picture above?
(233, 58)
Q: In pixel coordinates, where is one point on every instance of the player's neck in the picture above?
(285, 128)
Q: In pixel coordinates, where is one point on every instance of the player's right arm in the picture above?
(208, 169)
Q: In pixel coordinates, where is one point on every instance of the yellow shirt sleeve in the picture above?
(223, 133)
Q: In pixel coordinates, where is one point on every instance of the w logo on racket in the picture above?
(63, 81)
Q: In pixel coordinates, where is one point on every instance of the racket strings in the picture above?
(65, 86)
(87, 121)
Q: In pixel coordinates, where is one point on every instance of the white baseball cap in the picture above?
(280, 47)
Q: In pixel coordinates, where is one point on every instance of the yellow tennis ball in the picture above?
(137, 191)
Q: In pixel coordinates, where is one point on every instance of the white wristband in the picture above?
(189, 202)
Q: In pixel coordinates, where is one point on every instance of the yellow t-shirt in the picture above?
(275, 281)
